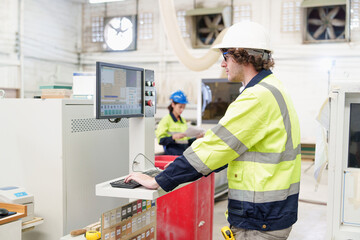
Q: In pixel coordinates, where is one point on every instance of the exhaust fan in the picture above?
(207, 23)
(325, 21)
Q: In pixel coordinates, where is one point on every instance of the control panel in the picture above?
(150, 93)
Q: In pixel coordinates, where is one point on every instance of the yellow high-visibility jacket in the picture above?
(168, 126)
(259, 139)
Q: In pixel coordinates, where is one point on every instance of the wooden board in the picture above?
(32, 223)
(21, 211)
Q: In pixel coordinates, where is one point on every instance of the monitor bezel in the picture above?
(99, 65)
(212, 80)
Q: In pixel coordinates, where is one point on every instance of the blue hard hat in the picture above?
(179, 97)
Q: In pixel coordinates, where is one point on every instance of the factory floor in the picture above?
(311, 222)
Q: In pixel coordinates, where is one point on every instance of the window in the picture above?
(354, 13)
(146, 26)
(97, 28)
(242, 13)
(182, 23)
(290, 16)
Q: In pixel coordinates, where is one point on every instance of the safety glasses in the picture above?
(224, 56)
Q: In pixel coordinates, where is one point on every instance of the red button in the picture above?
(149, 103)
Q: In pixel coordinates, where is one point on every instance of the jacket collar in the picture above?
(174, 118)
(258, 77)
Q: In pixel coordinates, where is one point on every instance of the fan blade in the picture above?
(218, 31)
(333, 13)
(118, 22)
(209, 38)
(319, 31)
(338, 22)
(331, 32)
(204, 30)
(342, 35)
(207, 21)
(217, 20)
(314, 21)
(220, 27)
(322, 14)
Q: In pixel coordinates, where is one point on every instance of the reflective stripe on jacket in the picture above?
(259, 139)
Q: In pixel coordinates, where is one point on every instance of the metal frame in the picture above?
(340, 99)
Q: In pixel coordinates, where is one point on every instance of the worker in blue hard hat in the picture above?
(171, 129)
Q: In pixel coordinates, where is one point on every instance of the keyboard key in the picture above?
(132, 184)
(122, 184)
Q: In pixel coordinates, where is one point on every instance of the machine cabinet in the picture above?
(58, 151)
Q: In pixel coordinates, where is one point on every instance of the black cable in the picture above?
(313, 202)
(116, 120)
(134, 161)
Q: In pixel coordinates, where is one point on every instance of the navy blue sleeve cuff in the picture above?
(191, 140)
(166, 141)
(165, 182)
(220, 168)
(178, 172)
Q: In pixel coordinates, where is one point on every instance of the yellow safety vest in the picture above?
(259, 139)
(167, 127)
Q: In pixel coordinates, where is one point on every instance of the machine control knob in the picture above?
(148, 103)
(153, 84)
(147, 93)
(148, 83)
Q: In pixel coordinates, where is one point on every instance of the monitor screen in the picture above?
(119, 91)
(354, 136)
(217, 94)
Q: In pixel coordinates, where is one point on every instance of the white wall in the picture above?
(9, 75)
(52, 39)
(50, 33)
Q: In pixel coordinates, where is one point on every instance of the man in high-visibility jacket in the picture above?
(258, 139)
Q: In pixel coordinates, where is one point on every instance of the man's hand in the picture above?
(178, 136)
(200, 135)
(143, 179)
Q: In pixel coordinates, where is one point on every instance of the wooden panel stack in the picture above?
(308, 151)
(136, 220)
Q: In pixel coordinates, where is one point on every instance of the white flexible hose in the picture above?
(167, 12)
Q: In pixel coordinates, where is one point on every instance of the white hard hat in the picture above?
(245, 35)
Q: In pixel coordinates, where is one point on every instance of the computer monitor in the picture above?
(354, 136)
(216, 96)
(119, 91)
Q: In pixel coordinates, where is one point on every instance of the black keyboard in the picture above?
(132, 184)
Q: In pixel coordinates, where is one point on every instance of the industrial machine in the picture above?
(56, 150)
(344, 162)
(128, 92)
